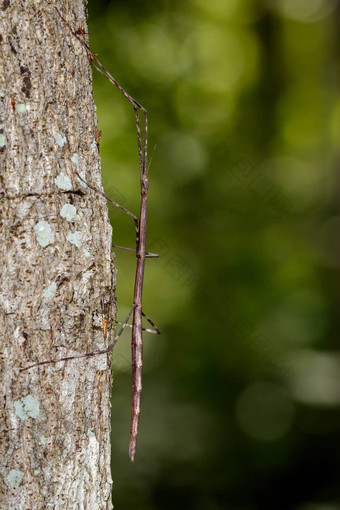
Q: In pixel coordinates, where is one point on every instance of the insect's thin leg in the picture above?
(142, 152)
(145, 139)
(147, 330)
(139, 139)
(135, 219)
(104, 72)
(124, 324)
(87, 354)
(100, 68)
(147, 254)
(136, 106)
(157, 330)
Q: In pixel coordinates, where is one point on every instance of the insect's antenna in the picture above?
(153, 152)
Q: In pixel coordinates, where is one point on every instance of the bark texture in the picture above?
(57, 275)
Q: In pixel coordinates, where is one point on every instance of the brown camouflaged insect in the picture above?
(140, 227)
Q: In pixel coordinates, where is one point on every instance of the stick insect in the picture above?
(141, 254)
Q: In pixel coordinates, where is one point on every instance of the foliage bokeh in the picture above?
(241, 392)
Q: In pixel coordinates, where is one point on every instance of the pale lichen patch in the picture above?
(36, 472)
(43, 440)
(63, 181)
(26, 407)
(81, 181)
(15, 478)
(60, 140)
(68, 211)
(3, 140)
(75, 159)
(90, 432)
(93, 144)
(21, 108)
(44, 233)
(50, 291)
(74, 238)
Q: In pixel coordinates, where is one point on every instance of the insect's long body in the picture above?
(141, 254)
(137, 336)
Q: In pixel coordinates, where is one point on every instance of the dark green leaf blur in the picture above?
(241, 395)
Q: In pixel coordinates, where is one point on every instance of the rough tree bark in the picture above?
(57, 275)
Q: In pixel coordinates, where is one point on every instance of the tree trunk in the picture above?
(57, 276)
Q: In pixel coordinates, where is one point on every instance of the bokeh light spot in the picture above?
(316, 378)
(222, 10)
(185, 155)
(265, 411)
(307, 11)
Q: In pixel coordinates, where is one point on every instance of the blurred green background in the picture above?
(242, 391)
